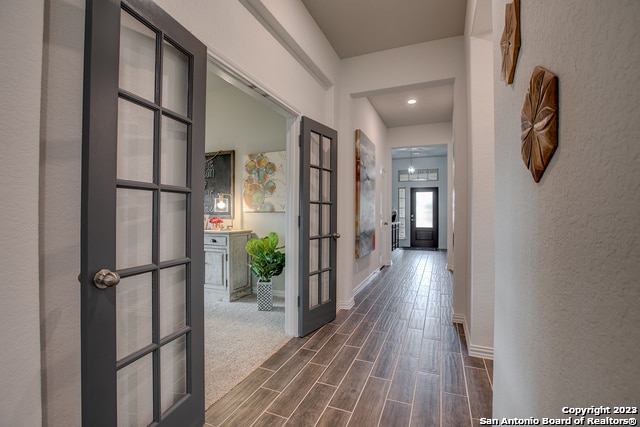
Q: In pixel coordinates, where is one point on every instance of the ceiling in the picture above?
(359, 27)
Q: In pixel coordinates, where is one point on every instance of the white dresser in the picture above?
(226, 273)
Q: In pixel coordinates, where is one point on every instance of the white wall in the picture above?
(21, 70)
(567, 325)
(481, 184)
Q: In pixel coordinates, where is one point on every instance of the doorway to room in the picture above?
(241, 120)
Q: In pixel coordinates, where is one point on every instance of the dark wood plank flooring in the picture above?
(394, 359)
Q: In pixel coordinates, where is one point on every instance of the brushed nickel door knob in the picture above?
(106, 279)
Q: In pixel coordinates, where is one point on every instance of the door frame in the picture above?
(234, 75)
(436, 214)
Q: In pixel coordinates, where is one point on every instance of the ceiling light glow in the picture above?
(411, 101)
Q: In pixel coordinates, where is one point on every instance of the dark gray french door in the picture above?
(142, 201)
(424, 217)
(318, 234)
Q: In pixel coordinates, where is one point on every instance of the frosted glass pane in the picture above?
(326, 153)
(313, 291)
(326, 186)
(133, 314)
(175, 79)
(314, 252)
(314, 219)
(173, 225)
(173, 306)
(135, 142)
(137, 57)
(326, 248)
(135, 393)
(173, 360)
(424, 209)
(324, 294)
(173, 156)
(314, 149)
(314, 185)
(326, 219)
(134, 214)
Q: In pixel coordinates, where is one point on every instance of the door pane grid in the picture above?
(170, 209)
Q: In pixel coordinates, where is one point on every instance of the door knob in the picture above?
(336, 235)
(106, 279)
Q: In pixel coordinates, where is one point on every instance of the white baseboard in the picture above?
(480, 351)
(474, 350)
(347, 305)
(365, 282)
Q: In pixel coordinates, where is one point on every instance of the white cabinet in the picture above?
(226, 274)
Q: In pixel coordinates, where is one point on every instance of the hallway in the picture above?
(394, 359)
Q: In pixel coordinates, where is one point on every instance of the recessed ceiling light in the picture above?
(411, 101)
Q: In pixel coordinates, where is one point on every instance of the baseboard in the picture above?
(365, 282)
(347, 305)
(480, 351)
(474, 350)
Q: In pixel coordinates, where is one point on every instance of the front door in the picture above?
(142, 262)
(318, 234)
(424, 217)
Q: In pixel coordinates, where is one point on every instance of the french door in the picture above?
(142, 263)
(424, 217)
(318, 233)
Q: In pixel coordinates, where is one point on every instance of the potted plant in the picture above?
(266, 261)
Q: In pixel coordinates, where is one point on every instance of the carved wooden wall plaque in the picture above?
(510, 41)
(540, 122)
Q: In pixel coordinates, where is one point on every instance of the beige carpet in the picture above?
(238, 339)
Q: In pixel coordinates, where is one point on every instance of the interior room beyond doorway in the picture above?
(237, 121)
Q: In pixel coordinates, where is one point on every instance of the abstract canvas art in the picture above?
(365, 195)
(264, 185)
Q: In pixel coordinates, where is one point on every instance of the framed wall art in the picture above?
(218, 183)
(365, 195)
(264, 183)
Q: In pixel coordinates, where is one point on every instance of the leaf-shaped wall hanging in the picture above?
(540, 122)
(510, 41)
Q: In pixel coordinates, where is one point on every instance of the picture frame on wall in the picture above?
(219, 175)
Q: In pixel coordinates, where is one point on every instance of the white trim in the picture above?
(459, 318)
(474, 350)
(348, 305)
(480, 351)
(365, 282)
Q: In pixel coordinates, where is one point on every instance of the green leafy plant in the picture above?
(266, 259)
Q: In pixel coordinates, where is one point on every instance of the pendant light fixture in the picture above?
(411, 168)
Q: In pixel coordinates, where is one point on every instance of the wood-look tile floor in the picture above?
(394, 359)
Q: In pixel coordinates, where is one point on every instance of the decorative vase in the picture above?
(265, 296)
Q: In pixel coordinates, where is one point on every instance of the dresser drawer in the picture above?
(210, 240)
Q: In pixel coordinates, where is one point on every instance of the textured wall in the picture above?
(567, 327)
(20, 68)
